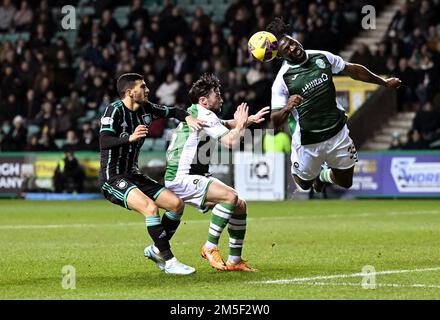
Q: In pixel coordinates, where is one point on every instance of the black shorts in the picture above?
(116, 189)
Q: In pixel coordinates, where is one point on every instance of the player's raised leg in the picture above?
(165, 259)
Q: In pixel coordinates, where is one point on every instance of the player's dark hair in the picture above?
(203, 86)
(127, 81)
(278, 28)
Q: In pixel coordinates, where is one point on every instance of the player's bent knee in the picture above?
(149, 209)
(241, 206)
(231, 197)
(179, 206)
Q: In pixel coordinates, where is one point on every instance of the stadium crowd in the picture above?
(62, 90)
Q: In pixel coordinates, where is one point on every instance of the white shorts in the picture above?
(337, 152)
(192, 189)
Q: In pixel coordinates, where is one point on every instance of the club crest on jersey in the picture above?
(320, 63)
(147, 119)
(122, 184)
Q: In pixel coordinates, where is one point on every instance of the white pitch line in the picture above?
(303, 217)
(339, 276)
(393, 285)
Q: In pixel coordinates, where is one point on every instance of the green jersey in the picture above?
(318, 117)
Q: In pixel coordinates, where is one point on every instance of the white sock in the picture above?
(156, 251)
(171, 261)
(234, 259)
(210, 245)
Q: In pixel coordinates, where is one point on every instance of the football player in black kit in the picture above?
(124, 127)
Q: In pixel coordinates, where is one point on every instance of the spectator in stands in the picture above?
(362, 56)
(108, 25)
(182, 64)
(96, 94)
(31, 104)
(84, 31)
(40, 39)
(167, 90)
(44, 117)
(72, 141)
(406, 94)
(46, 142)
(69, 175)
(23, 17)
(415, 141)
(138, 13)
(15, 139)
(401, 23)
(427, 122)
(7, 12)
(61, 123)
(88, 141)
(33, 144)
(73, 105)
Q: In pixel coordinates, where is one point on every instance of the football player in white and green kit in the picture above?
(187, 173)
(304, 94)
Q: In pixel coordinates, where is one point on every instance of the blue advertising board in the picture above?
(397, 174)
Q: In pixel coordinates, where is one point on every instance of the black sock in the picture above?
(170, 225)
(160, 238)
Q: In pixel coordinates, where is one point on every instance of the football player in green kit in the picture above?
(304, 94)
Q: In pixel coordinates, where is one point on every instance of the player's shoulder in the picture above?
(115, 106)
(203, 113)
(329, 55)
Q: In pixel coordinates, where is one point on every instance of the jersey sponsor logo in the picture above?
(147, 119)
(122, 184)
(320, 63)
(124, 124)
(108, 121)
(315, 83)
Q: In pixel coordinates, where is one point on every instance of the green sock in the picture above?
(325, 176)
(237, 231)
(220, 216)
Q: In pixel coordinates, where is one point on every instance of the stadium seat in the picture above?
(32, 129)
(121, 15)
(60, 143)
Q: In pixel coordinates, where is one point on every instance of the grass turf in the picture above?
(284, 240)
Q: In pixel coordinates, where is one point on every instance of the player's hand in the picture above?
(293, 102)
(259, 116)
(194, 124)
(393, 83)
(140, 132)
(241, 114)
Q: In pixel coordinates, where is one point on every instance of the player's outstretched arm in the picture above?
(361, 73)
(162, 111)
(255, 118)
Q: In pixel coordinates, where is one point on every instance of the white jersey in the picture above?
(189, 152)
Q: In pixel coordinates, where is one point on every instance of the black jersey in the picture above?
(118, 155)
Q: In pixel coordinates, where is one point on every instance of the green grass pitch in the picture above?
(321, 245)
